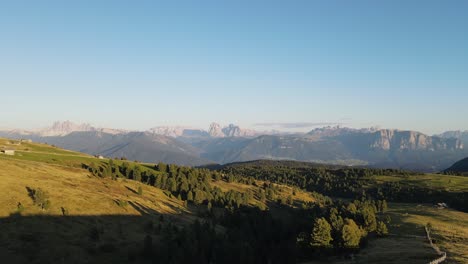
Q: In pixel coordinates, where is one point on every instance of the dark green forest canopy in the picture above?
(345, 182)
(256, 232)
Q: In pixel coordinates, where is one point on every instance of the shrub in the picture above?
(40, 198)
(381, 229)
(64, 211)
(20, 208)
(121, 203)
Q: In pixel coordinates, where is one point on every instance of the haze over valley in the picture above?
(384, 148)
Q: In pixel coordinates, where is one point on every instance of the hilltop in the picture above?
(459, 168)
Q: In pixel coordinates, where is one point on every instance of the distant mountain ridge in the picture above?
(458, 134)
(215, 130)
(64, 128)
(188, 146)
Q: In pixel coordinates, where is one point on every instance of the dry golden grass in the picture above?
(33, 235)
(407, 242)
(450, 227)
(298, 196)
(234, 186)
(76, 190)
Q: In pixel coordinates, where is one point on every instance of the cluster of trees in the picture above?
(346, 226)
(343, 182)
(246, 234)
(348, 182)
(250, 235)
(186, 183)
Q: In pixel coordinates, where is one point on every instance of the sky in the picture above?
(260, 64)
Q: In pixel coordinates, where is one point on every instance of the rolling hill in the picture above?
(460, 167)
(101, 210)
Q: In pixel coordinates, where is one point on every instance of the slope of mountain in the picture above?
(64, 128)
(178, 131)
(215, 131)
(231, 130)
(459, 167)
(335, 145)
(58, 128)
(142, 146)
(461, 135)
(381, 148)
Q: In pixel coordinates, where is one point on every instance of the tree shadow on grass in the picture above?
(130, 189)
(30, 192)
(80, 239)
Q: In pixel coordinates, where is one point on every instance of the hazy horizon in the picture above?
(300, 127)
(138, 65)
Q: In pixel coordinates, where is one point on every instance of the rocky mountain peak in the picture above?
(59, 128)
(232, 131)
(215, 130)
(391, 139)
(457, 134)
(168, 131)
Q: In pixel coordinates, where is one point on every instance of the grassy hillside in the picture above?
(100, 219)
(347, 182)
(449, 183)
(407, 242)
(89, 217)
(82, 207)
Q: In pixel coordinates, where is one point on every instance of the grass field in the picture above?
(407, 243)
(80, 204)
(75, 190)
(433, 181)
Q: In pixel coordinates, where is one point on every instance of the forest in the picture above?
(232, 229)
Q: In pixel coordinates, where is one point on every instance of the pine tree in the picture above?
(351, 208)
(137, 173)
(189, 196)
(321, 233)
(384, 206)
(381, 229)
(351, 234)
(370, 221)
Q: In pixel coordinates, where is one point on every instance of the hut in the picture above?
(10, 152)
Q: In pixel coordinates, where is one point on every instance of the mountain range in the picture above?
(191, 146)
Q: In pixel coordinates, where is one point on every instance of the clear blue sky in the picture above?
(138, 64)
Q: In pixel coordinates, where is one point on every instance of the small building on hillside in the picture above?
(10, 152)
(99, 156)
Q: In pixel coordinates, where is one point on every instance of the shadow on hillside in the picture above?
(130, 189)
(82, 239)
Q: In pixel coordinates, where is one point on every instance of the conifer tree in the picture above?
(321, 233)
